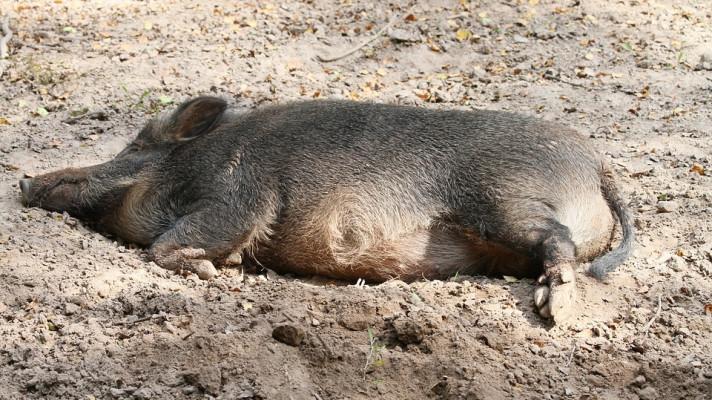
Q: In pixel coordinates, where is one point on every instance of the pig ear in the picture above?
(196, 117)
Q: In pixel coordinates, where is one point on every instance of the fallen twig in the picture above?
(652, 320)
(100, 115)
(365, 42)
(130, 322)
(133, 322)
(574, 84)
(7, 35)
(571, 355)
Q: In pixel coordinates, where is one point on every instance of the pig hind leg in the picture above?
(535, 231)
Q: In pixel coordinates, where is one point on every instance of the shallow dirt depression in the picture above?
(82, 316)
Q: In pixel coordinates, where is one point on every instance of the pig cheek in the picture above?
(64, 198)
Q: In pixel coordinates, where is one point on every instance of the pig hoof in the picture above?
(187, 259)
(555, 297)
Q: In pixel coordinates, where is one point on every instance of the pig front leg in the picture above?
(195, 240)
(183, 259)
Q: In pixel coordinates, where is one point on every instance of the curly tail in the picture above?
(609, 261)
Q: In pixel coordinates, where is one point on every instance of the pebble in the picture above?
(520, 39)
(143, 393)
(71, 308)
(676, 263)
(205, 270)
(648, 393)
(403, 35)
(288, 334)
(190, 389)
(705, 62)
(639, 380)
(667, 206)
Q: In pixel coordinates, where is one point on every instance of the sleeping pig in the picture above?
(356, 190)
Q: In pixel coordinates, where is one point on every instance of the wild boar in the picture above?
(357, 190)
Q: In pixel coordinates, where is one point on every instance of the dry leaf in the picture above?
(644, 92)
(433, 46)
(698, 168)
(708, 309)
(423, 94)
(4, 121)
(411, 18)
(678, 111)
(463, 34)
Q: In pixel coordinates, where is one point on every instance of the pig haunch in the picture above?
(357, 190)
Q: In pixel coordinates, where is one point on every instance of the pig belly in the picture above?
(426, 254)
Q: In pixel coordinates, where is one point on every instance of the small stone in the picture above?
(441, 388)
(534, 348)
(116, 392)
(648, 393)
(520, 39)
(543, 33)
(569, 391)
(288, 334)
(676, 263)
(190, 389)
(71, 309)
(205, 270)
(639, 380)
(234, 258)
(666, 206)
(315, 322)
(705, 62)
(143, 393)
(403, 35)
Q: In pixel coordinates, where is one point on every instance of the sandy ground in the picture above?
(82, 316)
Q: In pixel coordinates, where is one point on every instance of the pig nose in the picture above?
(25, 186)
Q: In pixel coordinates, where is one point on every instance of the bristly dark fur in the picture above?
(357, 190)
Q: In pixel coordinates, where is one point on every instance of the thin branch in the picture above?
(7, 35)
(574, 345)
(365, 42)
(652, 320)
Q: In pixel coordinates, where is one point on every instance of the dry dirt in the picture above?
(84, 316)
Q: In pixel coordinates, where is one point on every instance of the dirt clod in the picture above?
(288, 334)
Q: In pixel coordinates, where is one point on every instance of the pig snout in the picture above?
(58, 191)
(26, 188)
